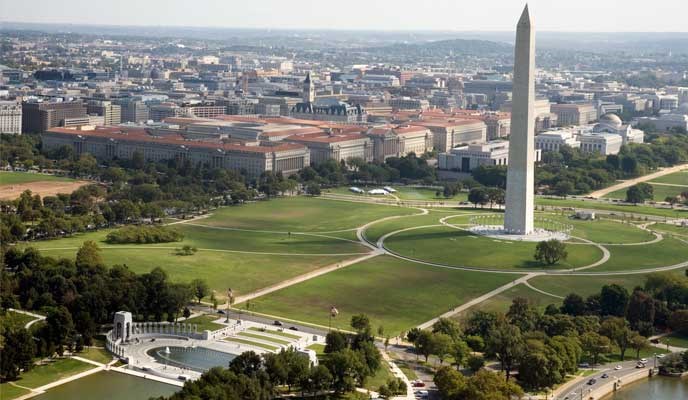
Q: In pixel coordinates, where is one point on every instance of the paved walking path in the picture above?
(477, 300)
(28, 324)
(631, 182)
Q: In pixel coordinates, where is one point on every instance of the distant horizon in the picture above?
(324, 29)
(582, 16)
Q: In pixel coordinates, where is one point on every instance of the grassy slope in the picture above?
(96, 354)
(616, 208)
(664, 253)
(205, 322)
(502, 301)
(587, 285)
(460, 248)
(16, 178)
(244, 273)
(660, 192)
(677, 178)
(395, 294)
(56, 370)
(302, 214)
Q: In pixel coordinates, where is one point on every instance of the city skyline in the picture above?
(386, 15)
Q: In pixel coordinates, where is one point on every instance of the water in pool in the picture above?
(109, 385)
(195, 358)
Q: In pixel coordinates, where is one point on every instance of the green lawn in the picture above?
(96, 354)
(17, 178)
(14, 319)
(606, 206)
(252, 343)
(264, 338)
(395, 294)
(415, 193)
(605, 231)
(55, 370)
(318, 348)
(382, 375)
(460, 248)
(677, 178)
(301, 214)
(667, 252)
(275, 332)
(205, 322)
(676, 339)
(244, 273)
(660, 192)
(502, 301)
(222, 239)
(672, 229)
(9, 392)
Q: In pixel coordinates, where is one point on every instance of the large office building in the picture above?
(574, 114)
(334, 145)
(122, 142)
(326, 109)
(39, 116)
(111, 113)
(449, 133)
(555, 139)
(10, 117)
(399, 141)
(133, 110)
(467, 158)
(601, 143)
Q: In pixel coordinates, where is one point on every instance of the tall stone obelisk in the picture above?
(520, 179)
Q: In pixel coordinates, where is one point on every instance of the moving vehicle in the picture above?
(356, 190)
(604, 376)
(592, 381)
(618, 367)
(277, 323)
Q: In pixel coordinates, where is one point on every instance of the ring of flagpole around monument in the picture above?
(492, 225)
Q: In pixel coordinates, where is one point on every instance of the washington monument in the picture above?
(520, 179)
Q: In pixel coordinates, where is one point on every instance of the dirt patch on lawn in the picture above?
(11, 192)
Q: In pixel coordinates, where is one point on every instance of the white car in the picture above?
(661, 355)
(618, 367)
(643, 360)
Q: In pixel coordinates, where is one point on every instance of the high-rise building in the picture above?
(133, 110)
(39, 116)
(10, 117)
(111, 113)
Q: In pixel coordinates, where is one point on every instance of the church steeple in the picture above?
(308, 89)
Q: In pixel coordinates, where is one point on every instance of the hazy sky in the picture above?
(553, 15)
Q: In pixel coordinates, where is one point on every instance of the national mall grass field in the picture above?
(261, 244)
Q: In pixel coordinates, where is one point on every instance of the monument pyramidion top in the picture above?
(525, 19)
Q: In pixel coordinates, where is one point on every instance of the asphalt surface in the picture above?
(581, 389)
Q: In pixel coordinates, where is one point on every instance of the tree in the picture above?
(639, 193)
(247, 363)
(200, 289)
(678, 321)
(523, 314)
(506, 343)
(461, 352)
(450, 383)
(335, 341)
(595, 344)
(88, 256)
(475, 362)
(441, 345)
(423, 344)
(361, 323)
(478, 195)
(616, 329)
(573, 305)
(448, 327)
(18, 351)
(613, 300)
(320, 379)
(550, 251)
(564, 188)
(638, 343)
(313, 189)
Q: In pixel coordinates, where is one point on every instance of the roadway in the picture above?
(582, 389)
